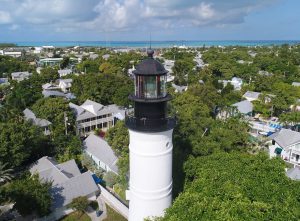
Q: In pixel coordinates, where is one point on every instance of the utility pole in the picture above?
(66, 123)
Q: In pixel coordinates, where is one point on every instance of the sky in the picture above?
(133, 20)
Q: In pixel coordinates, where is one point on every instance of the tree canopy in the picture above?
(236, 186)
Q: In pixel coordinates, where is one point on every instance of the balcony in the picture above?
(150, 125)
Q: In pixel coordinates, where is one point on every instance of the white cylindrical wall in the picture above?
(150, 156)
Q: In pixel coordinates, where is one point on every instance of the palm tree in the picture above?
(5, 174)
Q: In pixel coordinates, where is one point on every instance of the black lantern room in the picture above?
(150, 97)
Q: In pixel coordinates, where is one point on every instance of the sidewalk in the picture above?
(92, 213)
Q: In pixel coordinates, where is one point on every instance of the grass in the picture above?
(76, 216)
(112, 215)
(94, 205)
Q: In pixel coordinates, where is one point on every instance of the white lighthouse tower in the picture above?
(150, 148)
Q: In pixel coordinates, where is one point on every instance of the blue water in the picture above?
(156, 44)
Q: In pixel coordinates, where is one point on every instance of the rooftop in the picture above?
(99, 148)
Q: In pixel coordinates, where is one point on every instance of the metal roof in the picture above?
(286, 138)
(99, 148)
(67, 181)
(244, 107)
(294, 173)
(150, 66)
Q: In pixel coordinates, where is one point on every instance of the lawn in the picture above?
(76, 216)
(112, 215)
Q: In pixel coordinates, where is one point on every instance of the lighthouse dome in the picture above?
(150, 66)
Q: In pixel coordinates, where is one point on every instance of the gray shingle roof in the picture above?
(244, 107)
(251, 94)
(29, 115)
(286, 138)
(67, 181)
(294, 173)
(99, 148)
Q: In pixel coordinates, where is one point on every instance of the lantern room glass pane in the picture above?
(162, 84)
(150, 87)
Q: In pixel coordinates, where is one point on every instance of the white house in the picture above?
(286, 143)
(101, 153)
(235, 82)
(64, 72)
(92, 115)
(43, 123)
(296, 84)
(179, 89)
(65, 84)
(67, 181)
(20, 76)
(251, 95)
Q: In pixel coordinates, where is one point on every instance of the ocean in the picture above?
(156, 44)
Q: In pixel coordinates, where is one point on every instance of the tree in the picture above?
(30, 195)
(103, 88)
(118, 138)
(22, 143)
(5, 173)
(110, 179)
(79, 203)
(236, 187)
(65, 62)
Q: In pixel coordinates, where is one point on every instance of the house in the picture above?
(43, 123)
(296, 84)
(20, 76)
(235, 82)
(251, 95)
(101, 153)
(293, 173)
(265, 73)
(105, 57)
(168, 65)
(93, 56)
(286, 143)
(92, 115)
(64, 72)
(54, 93)
(244, 107)
(67, 181)
(14, 54)
(4, 81)
(179, 89)
(65, 84)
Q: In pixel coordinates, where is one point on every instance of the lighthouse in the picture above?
(150, 142)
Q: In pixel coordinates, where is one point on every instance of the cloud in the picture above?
(5, 17)
(124, 15)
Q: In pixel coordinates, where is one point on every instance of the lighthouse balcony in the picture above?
(150, 125)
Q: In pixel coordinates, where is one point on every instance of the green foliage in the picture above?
(49, 74)
(103, 88)
(236, 187)
(118, 138)
(65, 62)
(110, 179)
(5, 173)
(54, 110)
(25, 93)
(22, 143)
(79, 203)
(9, 65)
(30, 196)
